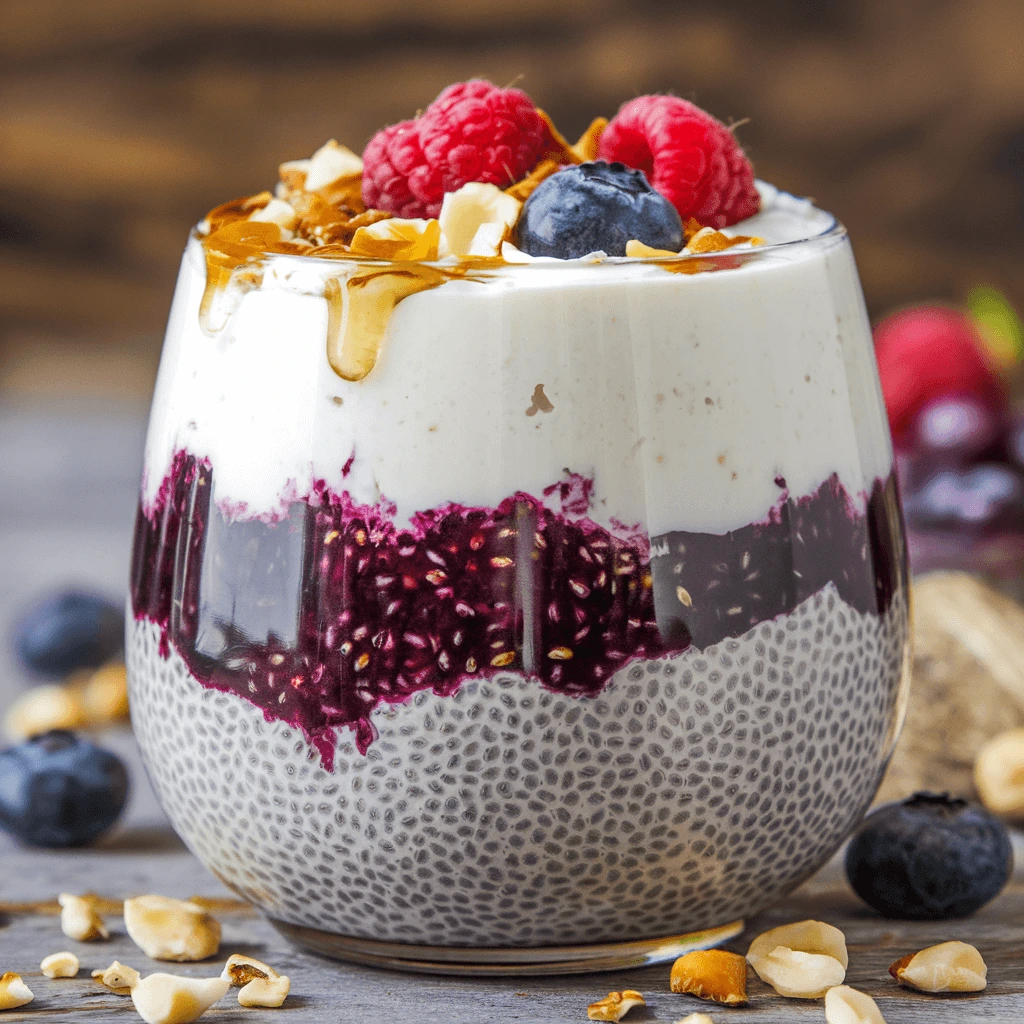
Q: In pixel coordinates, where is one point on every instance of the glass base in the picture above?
(504, 962)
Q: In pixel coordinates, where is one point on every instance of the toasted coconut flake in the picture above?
(638, 250)
(14, 992)
(118, 977)
(845, 1005)
(398, 239)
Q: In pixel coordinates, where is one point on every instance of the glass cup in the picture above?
(518, 618)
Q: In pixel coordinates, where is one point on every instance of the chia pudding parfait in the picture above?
(519, 583)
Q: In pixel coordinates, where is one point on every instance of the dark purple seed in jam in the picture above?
(328, 611)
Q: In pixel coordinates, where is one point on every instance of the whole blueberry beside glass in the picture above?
(929, 858)
(69, 631)
(596, 207)
(60, 790)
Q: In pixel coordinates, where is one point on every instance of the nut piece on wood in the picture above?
(798, 975)
(79, 920)
(241, 969)
(803, 936)
(260, 984)
(60, 965)
(615, 1005)
(711, 974)
(270, 992)
(169, 999)
(169, 929)
(947, 967)
(13, 991)
(845, 1005)
(696, 1018)
(118, 977)
(999, 774)
(968, 684)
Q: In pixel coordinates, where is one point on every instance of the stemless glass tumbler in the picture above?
(568, 635)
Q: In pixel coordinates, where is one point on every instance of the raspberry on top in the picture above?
(483, 173)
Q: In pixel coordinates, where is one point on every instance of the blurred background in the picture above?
(122, 123)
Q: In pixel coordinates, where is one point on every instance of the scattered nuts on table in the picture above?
(947, 967)
(13, 991)
(169, 929)
(999, 773)
(615, 1005)
(60, 965)
(118, 977)
(800, 975)
(711, 974)
(79, 920)
(170, 999)
(260, 984)
(845, 1005)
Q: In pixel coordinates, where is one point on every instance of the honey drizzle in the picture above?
(359, 307)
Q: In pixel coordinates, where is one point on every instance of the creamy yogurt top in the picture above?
(694, 401)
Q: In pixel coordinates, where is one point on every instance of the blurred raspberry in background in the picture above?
(950, 376)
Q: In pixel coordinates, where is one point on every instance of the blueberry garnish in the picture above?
(58, 789)
(929, 858)
(596, 207)
(69, 631)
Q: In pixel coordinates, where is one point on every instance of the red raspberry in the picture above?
(928, 352)
(473, 131)
(690, 158)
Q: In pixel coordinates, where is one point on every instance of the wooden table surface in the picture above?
(67, 486)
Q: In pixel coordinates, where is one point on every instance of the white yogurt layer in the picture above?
(683, 396)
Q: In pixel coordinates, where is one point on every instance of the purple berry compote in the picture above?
(493, 603)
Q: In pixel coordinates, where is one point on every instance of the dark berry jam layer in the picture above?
(322, 613)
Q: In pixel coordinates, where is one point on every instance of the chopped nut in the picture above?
(948, 967)
(13, 991)
(398, 239)
(79, 920)
(293, 174)
(615, 1005)
(329, 164)
(43, 708)
(475, 219)
(711, 974)
(170, 999)
(60, 965)
(845, 1005)
(696, 1018)
(104, 695)
(803, 936)
(241, 969)
(800, 975)
(999, 773)
(268, 992)
(170, 929)
(636, 249)
(278, 212)
(118, 977)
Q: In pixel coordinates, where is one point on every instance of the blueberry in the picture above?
(596, 206)
(988, 496)
(58, 790)
(929, 858)
(956, 430)
(69, 631)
